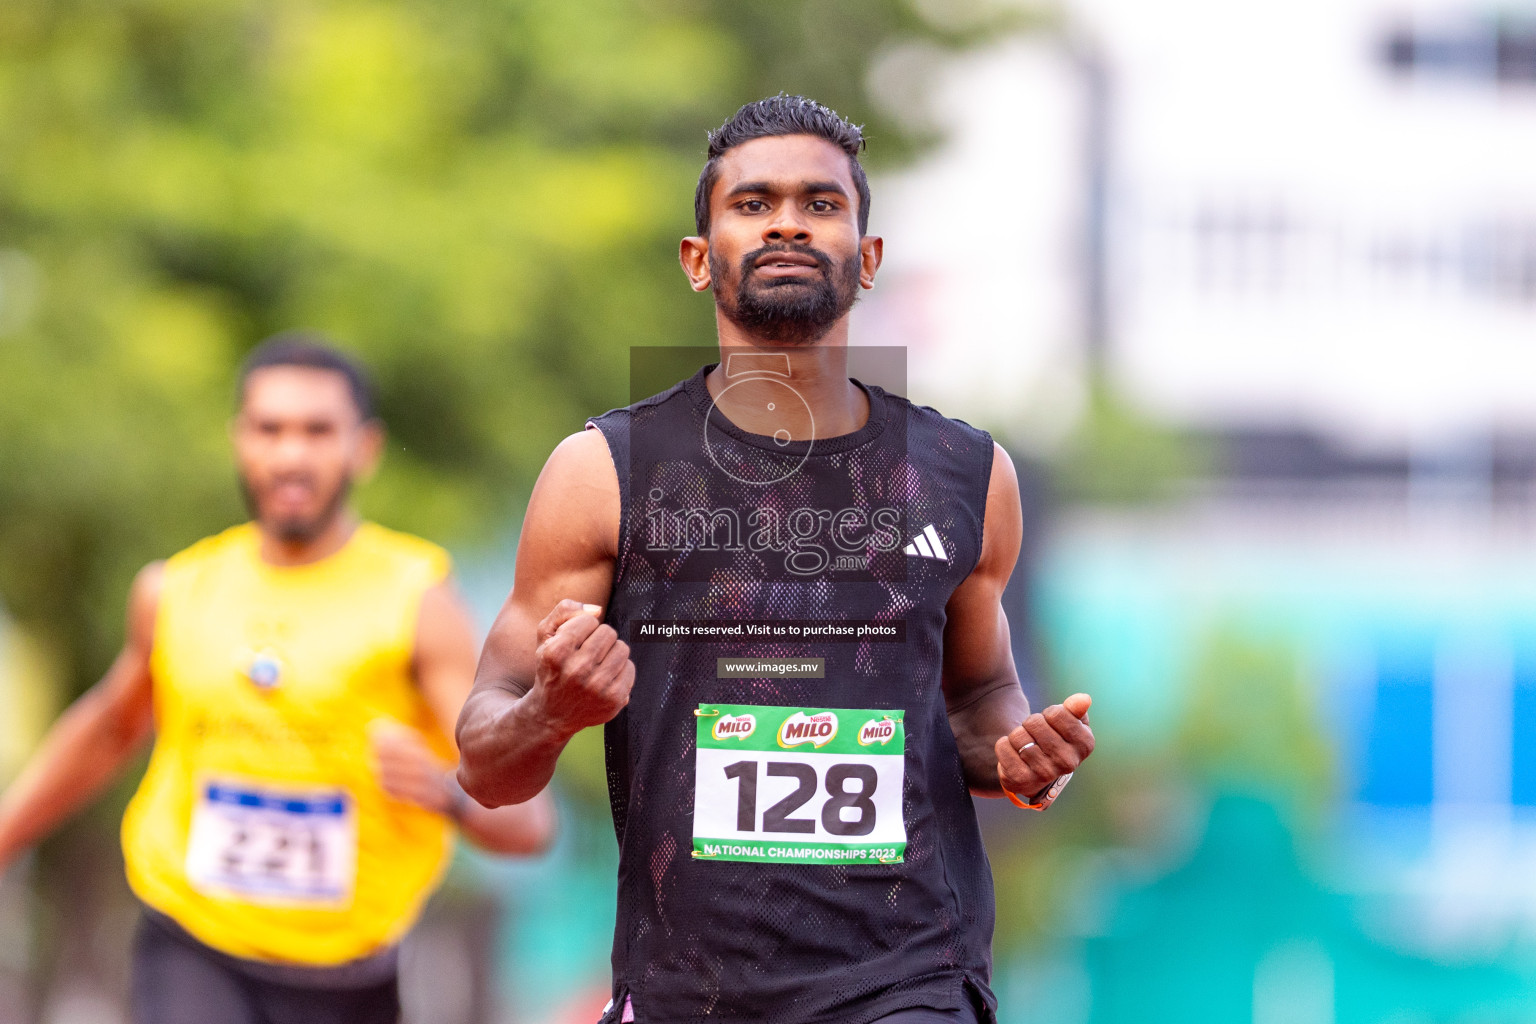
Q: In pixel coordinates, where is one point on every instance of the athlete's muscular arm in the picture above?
(987, 709)
(443, 663)
(95, 737)
(549, 668)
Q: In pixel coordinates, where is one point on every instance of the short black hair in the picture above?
(307, 349)
(781, 115)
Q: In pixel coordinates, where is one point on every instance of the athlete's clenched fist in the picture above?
(1046, 746)
(582, 672)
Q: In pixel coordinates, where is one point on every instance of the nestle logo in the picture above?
(817, 730)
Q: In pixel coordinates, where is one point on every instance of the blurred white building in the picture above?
(1323, 213)
(980, 281)
(1318, 215)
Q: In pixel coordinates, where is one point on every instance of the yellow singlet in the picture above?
(260, 826)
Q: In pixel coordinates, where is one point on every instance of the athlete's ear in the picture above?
(871, 251)
(693, 254)
(370, 449)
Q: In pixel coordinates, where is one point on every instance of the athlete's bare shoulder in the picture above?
(578, 494)
(1002, 525)
(574, 511)
(1003, 484)
(568, 551)
(144, 605)
(127, 686)
(588, 447)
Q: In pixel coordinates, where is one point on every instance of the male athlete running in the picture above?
(797, 844)
(300, 674)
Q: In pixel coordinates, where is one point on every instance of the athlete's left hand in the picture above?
(1046, 746)
(408, 770)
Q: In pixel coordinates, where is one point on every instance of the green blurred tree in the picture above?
(1119, 455)
(1253, 727)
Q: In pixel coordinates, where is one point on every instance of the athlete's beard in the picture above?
(788, 311)
(297, 531)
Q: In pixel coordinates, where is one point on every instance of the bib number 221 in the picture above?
(261, 846)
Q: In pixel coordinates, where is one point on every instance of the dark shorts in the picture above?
(178, 980)
(919, 1015)
(976, 1013)
(923, 1015)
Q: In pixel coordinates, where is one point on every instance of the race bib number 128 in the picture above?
(799, 785)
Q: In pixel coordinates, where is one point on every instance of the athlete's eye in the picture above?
(822, 206)
(753, 206)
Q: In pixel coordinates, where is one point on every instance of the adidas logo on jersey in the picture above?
(927, 545)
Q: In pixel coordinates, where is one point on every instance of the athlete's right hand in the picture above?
(582, 672)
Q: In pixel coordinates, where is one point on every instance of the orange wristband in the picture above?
(1043, 799)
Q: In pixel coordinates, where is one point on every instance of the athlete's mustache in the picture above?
(304, 480)
(749, 261)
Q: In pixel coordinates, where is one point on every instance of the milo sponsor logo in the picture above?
(817, 730)
(737, 727)
(876, 730)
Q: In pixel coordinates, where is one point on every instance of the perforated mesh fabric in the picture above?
(772, 943)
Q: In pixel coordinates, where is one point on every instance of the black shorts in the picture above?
(178, 980)
(924, 1015)
(974, 1013)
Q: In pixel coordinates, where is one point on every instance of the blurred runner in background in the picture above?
(301, 675)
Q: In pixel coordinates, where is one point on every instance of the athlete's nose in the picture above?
(786, 226)
(290, 449)
(293, 452)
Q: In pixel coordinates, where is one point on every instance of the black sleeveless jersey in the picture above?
(796, 901)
